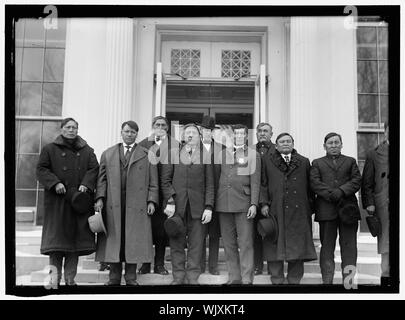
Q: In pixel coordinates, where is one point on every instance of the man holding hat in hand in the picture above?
(127, 190)
(188, 190)
(67, 168)
(287, 198)
(335, 178)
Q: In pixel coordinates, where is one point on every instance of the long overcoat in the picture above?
(287, 192)
(141, 188)
(326, 176)
(374, 190)
(73, 165)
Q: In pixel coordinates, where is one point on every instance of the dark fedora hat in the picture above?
(374, 225)
(268, 228)
(349, 213)
(96, 223)
(81, 202)
(208, 122)
(174, 226)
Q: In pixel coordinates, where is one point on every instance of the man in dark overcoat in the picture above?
(159, 146)
(236, 202)
(127, 190)
(286, 194)
(335, 178)
(211, 151)
(67, 163)
(264, 146)
(188, 185)
(375, 198)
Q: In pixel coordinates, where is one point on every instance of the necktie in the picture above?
(287, 160)
(127, 153)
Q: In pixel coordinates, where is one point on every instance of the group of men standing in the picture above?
(164, 192)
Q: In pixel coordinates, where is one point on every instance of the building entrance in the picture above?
(227, 104)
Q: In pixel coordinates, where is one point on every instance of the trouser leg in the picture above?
(70, 266)
(328, 234)
(204, 253)
(244, 229)
(55, 260)
(130, 271)
(195, 238)
(385, 264)
(348, 248)
(213, 253)
(115, 272)
(295, 271)
(257, 247)
(276, 269)
(228, 233)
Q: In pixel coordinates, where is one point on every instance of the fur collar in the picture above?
(279, 162)
(78, 144)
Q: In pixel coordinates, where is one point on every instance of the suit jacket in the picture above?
(325, 177)
(189, 179)
(239, 183)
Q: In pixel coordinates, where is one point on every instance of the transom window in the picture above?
(235, 63)
(186, 62)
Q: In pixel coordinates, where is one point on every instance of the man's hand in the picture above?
(336, 194)
(169, 210)
(370, 210)
(83, 188)
(206, 216)
(60, 188)
(151, 208)
(251, 212)
(98, 206)
(265, 210)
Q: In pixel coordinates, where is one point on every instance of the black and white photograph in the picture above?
(201, 149)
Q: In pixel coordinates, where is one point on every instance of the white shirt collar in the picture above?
(287, 155)
(160, 140)
(130, 146)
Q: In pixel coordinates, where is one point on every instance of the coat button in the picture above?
(64, 168)
(78, 154)
(295, 191)
(63, 154)
(286, 207)
(286, 192)
(296, 205)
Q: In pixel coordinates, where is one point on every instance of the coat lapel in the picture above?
(329, 162)
(137, 154)
(340, 161)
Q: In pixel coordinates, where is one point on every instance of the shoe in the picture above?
(131, 283)
(70, 283)
(234, 282)
(177, 282)
(144, 269)
(214, 272)
(160, 270)
(258, 272)
(112, 283)
(104, 266)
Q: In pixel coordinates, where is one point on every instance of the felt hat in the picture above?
(374, 225)
(268, 228)
(349, 213)
(174, 226)
(208, 122)
(81, 202)
(96, 223)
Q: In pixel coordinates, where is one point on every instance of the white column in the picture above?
(98, 80)
(323, 90)
(119, 77)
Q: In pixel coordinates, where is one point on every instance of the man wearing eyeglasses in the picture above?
(127, 190)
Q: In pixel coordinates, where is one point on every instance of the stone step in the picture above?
(89, 277)
(366, 265)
